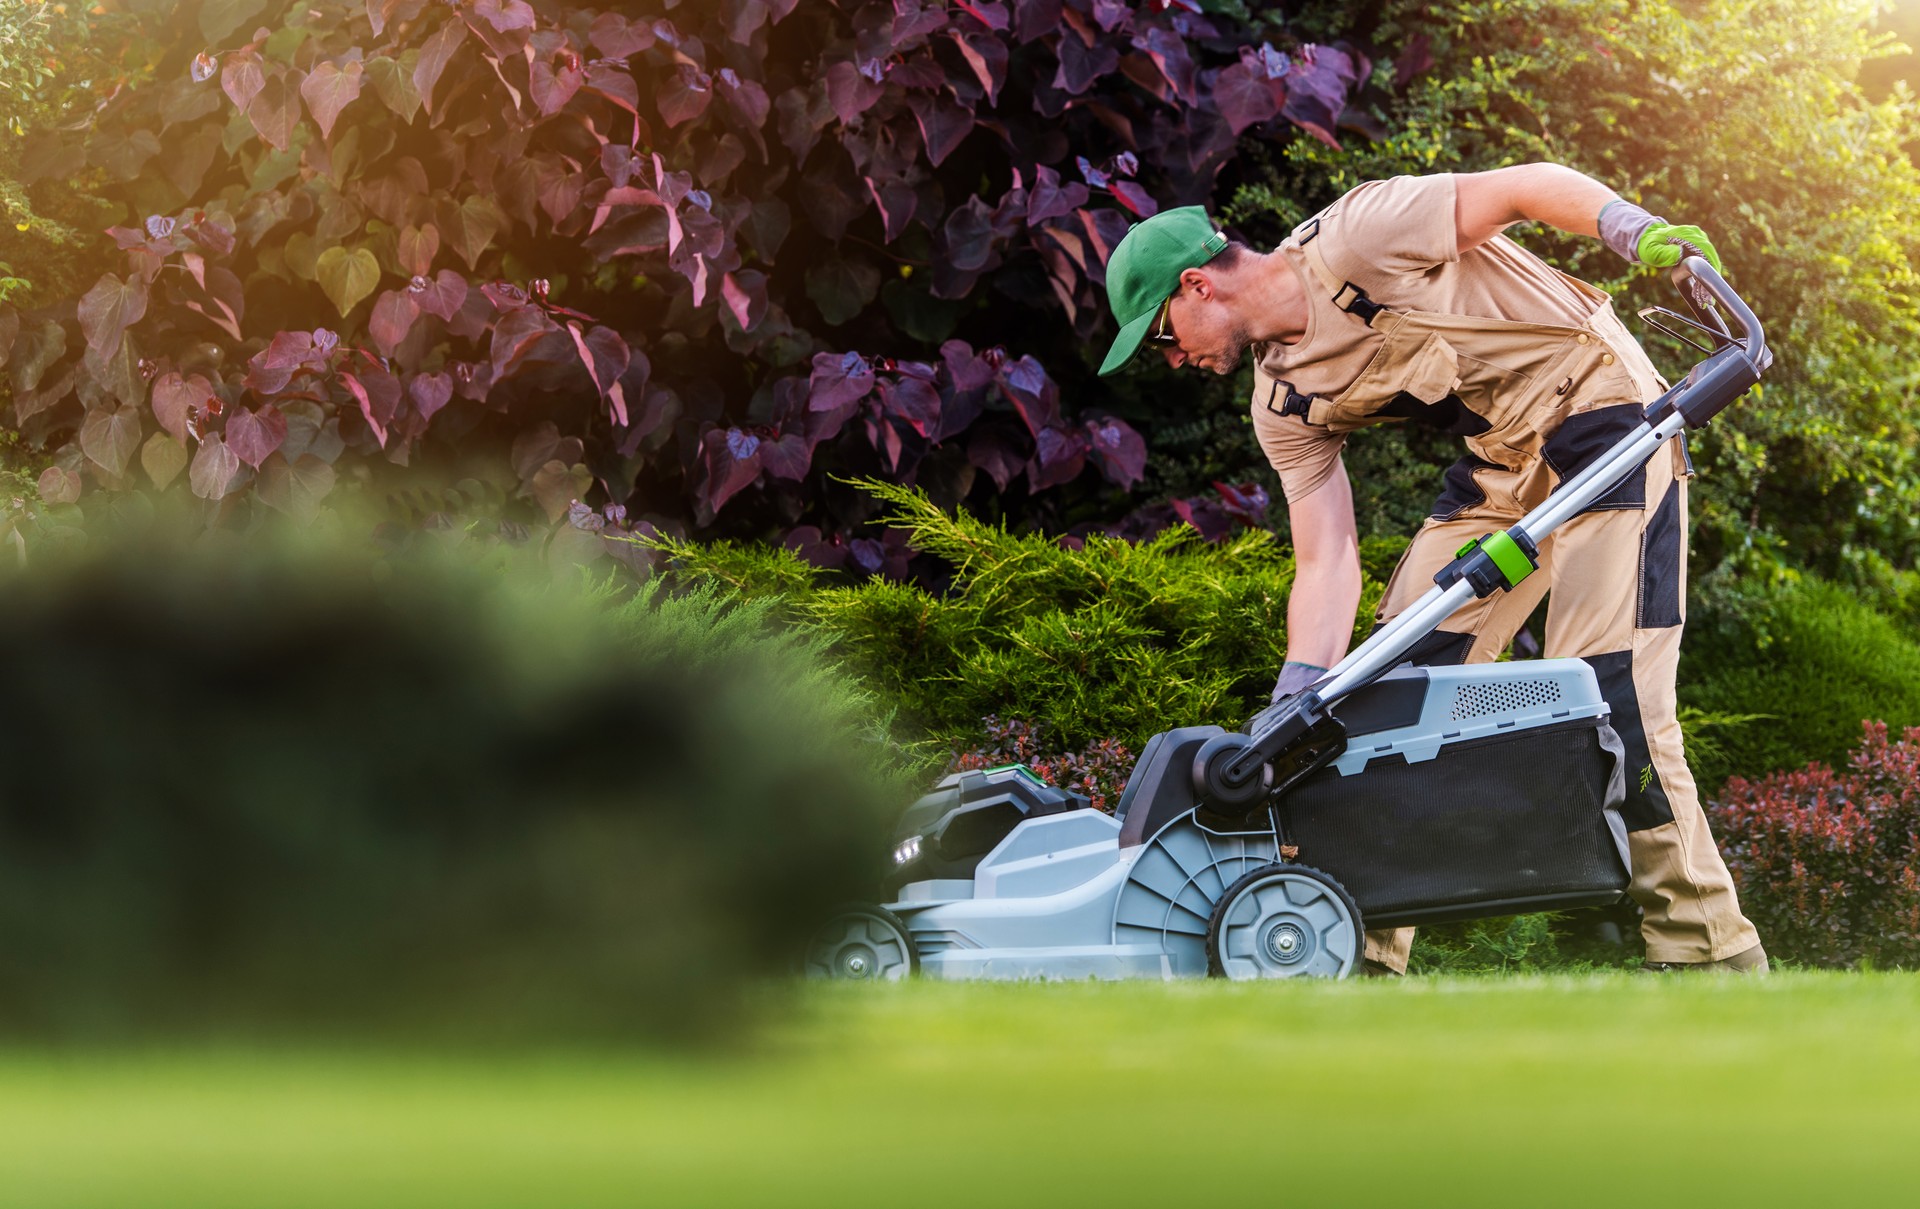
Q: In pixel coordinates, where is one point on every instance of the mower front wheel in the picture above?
(1284, 921)
(861, 943)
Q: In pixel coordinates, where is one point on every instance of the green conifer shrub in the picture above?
(1091, 639)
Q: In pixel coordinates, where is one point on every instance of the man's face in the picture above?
(1196, 327)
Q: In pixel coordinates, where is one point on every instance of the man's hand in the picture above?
(1294, 677)
(1660, 246)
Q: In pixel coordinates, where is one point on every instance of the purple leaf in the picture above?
(731, 459)
(1081, 65)
(1136, 199)
(1266, 63)
(1247, 504)
(838, 380)
(1111, 14)
(944, 125)
(515, 336)
(996, 453)
(1317, 92)
(253, 436)
(392, 318)
(745, 294)
(969, 232)
(1093, 176)
(1168, 51)
(684, 95)
(1051, 199)
(987, 56)
(1244, 98)
(746, 98)
(787, 457)
(1035, 19)
(967, 370)
(179, 402)
(1059, 455)
(430, 393)
(989, 14)
(1119, 451)
(1415, 60)
(435, 54)
(896, 201)
(912, 401)
(1026, 385)
(441, 295)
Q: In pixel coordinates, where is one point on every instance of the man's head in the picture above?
(1170, 284)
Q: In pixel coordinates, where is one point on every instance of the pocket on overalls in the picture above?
(1428, 369)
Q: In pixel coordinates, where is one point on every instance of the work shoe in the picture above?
(1752, 961)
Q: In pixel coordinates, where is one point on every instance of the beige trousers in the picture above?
(1615, 582)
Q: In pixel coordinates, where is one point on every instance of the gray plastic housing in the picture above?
(1060, 897)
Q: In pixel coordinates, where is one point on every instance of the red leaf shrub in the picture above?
(1099, 770)
(730, 249)
(1828, 863)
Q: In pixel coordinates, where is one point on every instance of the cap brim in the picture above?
(1127, 343)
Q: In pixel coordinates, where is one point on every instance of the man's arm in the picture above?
(1486, 203)
(1326, 577)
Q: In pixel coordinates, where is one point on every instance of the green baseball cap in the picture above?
(1146, 268)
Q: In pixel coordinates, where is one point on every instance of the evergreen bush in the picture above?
(1813, 659)
(272, 790)
(1096, 639)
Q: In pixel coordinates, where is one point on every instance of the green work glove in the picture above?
(1656, 246)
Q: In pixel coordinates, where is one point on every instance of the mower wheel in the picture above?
(863, 943)
(1284, 921)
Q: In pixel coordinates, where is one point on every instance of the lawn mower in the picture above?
(1421, 794)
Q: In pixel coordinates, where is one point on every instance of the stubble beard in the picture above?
(1231, 353)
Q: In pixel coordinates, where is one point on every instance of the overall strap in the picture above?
(1346, 295)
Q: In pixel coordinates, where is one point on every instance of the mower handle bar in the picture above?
(1698, 270)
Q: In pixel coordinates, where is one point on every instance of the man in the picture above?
(1403, 301)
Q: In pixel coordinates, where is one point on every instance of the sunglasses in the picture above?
(1163, 326)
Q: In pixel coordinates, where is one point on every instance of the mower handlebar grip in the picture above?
(1753, 338)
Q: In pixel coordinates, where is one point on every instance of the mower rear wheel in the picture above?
(861, 943)
(1284, 921)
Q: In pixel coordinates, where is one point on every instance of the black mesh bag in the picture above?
(1527, 821)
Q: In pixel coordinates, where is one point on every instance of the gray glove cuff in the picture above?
(1295, 676)
(1622, 224)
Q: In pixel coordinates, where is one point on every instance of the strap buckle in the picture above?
(1295, 404)
(1359, 304)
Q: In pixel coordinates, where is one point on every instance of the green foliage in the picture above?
(1109, 639)
(308, 788)
(1745, 119)
(1812, 660)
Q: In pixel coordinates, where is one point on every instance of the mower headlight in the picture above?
(907, 851)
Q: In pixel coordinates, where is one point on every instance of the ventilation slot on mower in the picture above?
(1479, 700)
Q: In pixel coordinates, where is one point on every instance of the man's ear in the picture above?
(1198, 282)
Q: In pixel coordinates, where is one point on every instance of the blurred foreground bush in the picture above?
(1829, 863)
(1090, 639)
(1810, 657)
(259, 789)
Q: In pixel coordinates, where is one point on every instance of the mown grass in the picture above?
(1605, 1089)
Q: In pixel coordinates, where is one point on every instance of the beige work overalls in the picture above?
(1537, 403)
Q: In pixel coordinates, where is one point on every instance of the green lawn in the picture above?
(1608, 1090)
